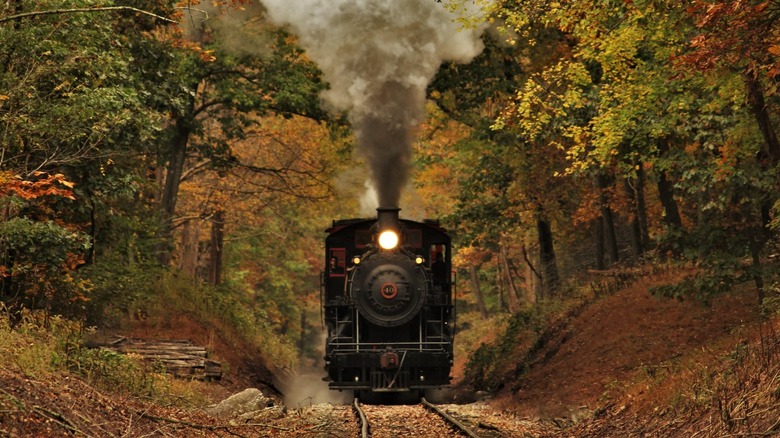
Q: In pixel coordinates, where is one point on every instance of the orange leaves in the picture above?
(42, 184)
(280, 162)
(774, 69)
(203, 54)
(588, 209)
(735, 34)
(711, 13)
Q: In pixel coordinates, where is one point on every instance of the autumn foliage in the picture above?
(39, 251)
(42, 185)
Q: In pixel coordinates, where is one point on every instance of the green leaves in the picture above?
(684, 93)
(30, 243)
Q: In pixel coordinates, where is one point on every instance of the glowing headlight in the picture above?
(356, 260)
(419, 260)
(388, 239)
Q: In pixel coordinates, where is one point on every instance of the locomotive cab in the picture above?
(387, 302)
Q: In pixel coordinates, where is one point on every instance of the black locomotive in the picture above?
(388, 308)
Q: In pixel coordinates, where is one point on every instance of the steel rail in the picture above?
(447, 417)
(362, 417)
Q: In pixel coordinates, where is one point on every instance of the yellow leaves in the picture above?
(471, 255)
(62, 85)
(617, 54)
(103, 168)
(436, 148)
(60, 178)
(547, 97)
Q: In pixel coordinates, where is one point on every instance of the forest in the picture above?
(161, 158)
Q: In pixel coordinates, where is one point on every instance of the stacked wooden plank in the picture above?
(179, 357)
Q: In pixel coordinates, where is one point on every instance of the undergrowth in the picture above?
(489, 363)
(527, 332)
(156, 295)
(743, 386)
(228, 310)
(39, 346)
(736, 393)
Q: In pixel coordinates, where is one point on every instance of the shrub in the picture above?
(38, 259)
(38, 345)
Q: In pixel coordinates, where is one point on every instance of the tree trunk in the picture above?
(666, 194)
(500, 285)
(478, 291)
(534, 282)
(598, 233)
(176, 159)
(636, 230)
(529, 297)
(759, 108)
(758, 277)
(610, 239)
(90, 257)
(188, 262)
(217, 241)
(550, 277)
(772, 150)
(641, 207)
(511, 289)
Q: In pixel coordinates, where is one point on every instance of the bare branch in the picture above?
(79, 10)
(194, 170)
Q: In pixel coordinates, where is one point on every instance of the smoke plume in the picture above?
(378, 57)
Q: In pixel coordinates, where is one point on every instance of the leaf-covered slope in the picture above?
(633, 352)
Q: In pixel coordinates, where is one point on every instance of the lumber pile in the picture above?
(181, 358)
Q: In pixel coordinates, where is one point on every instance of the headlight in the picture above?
(419, 260)
(356, 260)
(388, 239)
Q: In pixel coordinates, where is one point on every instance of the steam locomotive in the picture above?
(388, 305)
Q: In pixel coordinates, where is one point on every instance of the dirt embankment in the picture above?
(632, 364)
(587, 359)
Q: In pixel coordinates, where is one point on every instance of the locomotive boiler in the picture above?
(387, 297)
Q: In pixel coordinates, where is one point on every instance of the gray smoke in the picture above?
(236, 30)
(378, 57)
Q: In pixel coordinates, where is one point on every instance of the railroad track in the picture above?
(450, 419)
(423, 420)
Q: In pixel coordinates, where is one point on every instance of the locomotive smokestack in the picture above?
(387, 217)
